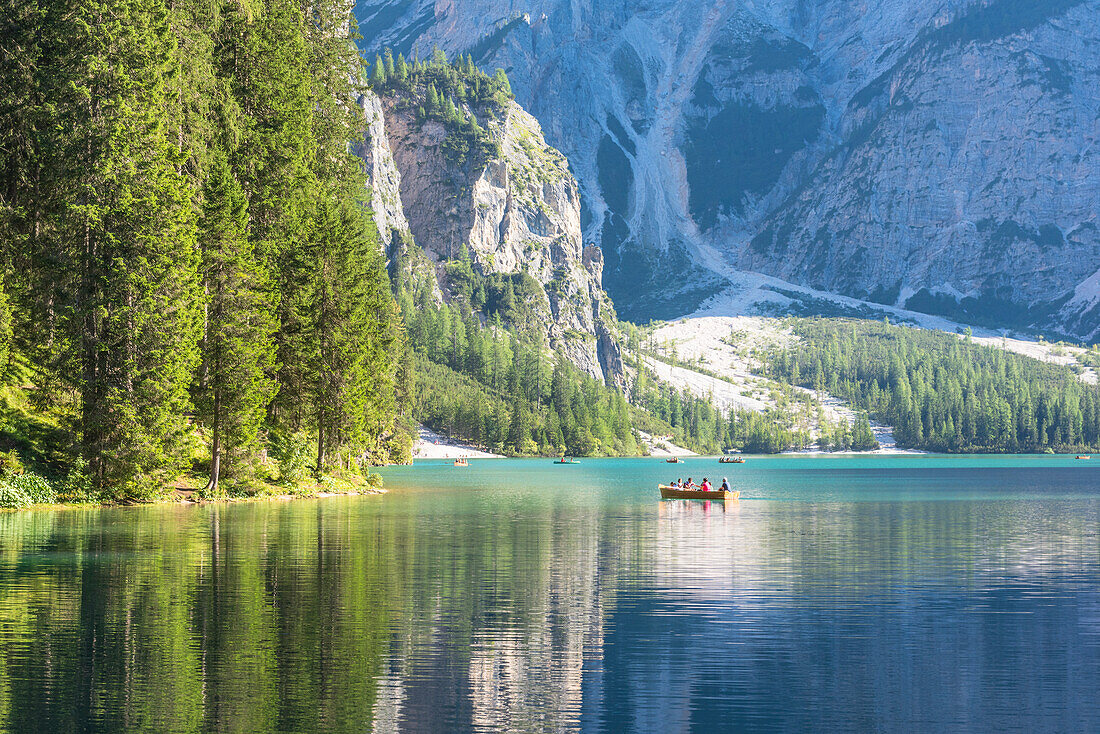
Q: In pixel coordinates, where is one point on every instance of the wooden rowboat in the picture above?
(1086, 458)
(674, 461)
(673, 493)
(731, 461)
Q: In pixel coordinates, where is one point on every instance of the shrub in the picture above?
(22, 490)
(10, 463)
(12, 497)
(293, 452)
(77, 485)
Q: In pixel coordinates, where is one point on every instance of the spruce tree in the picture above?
(378, 74)
(235, 383)
(431, 104)
(137, 317)
(353, 330)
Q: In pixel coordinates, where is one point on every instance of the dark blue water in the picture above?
(903, 594)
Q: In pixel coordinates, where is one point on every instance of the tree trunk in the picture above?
(320, 445)
(216, 445)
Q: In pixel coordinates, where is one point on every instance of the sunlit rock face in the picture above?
(937, 155)
(517, 212)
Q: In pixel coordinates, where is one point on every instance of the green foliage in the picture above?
(178, 184)
(452, 93)
(294, 454)
(10, 464)
(695, 423)
(235, 384)
(12, 497)
(353, 330)
(505, 390)
(943, 393)
(21, 490)
(516, 298)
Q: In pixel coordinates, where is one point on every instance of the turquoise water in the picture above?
(857, 594)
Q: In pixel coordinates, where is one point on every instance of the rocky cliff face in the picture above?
(383, 177)
(941, 156)
(515, 212)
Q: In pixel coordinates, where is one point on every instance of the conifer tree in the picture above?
(502, 83)
(390, 70)
(378, 74)
(431, 104)
(353, 327)
(137, 319)
(235, 383)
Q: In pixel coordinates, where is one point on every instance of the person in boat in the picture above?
(689, 484)
(725, 484)
(678, 483)
(706, 485)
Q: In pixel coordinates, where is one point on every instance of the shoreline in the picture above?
(432, 445)
(178, 499)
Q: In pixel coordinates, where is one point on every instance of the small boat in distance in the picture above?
(461, 462)
(1085, 458)
(674, 460)
(734, 460)
(676, 493)
(565, 460)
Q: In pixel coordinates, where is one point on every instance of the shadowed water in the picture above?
(854, 594)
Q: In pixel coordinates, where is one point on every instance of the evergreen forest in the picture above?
(191, 281)
(943, 392)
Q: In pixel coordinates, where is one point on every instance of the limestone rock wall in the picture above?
(517, 212)
(940, 155)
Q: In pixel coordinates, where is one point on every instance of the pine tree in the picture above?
(391, 72)
(378, 74)
(137, 318)
(431, 104)
(502, 83)
(235, 385)
(354, 328)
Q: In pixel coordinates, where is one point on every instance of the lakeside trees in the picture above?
(185, 251)
(490, 386)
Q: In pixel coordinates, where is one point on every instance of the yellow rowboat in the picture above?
(674, 493)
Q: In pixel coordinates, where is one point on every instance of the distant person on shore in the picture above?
(706, 484)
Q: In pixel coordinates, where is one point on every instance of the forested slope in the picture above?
(190, 279)
(942, 392)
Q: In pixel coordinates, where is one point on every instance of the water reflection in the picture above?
(493, 609)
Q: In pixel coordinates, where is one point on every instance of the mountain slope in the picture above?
(939, 156)
(493, 207)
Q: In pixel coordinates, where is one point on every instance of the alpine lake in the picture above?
(840, 593)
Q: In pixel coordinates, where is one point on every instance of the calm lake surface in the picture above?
(897, 594)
